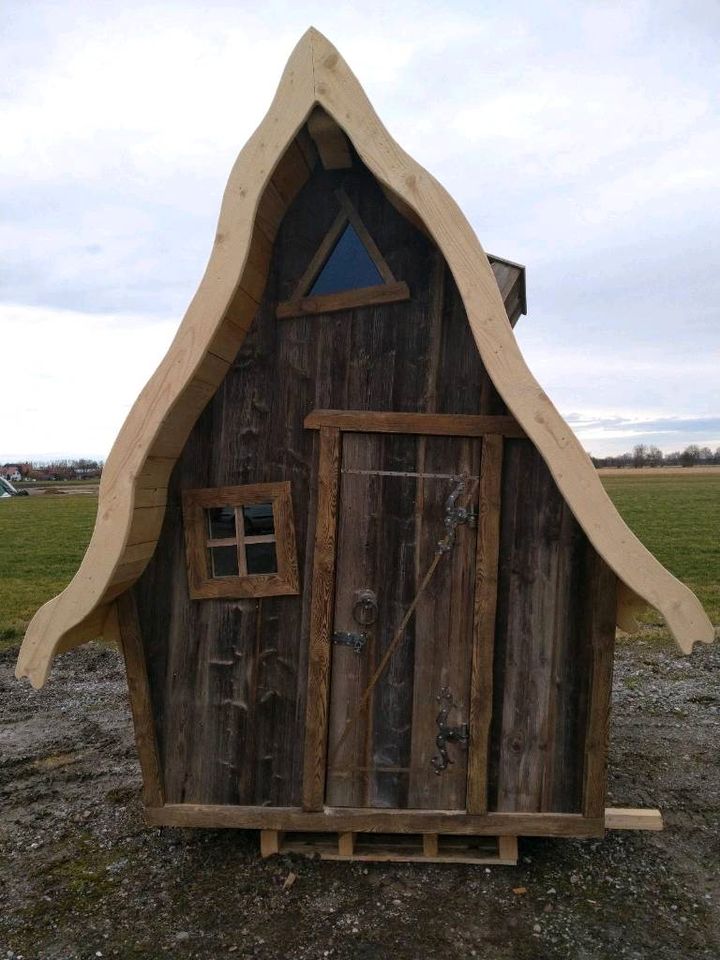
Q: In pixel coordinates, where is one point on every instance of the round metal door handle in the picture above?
(365, 608)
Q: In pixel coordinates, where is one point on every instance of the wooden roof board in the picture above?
(131, 503)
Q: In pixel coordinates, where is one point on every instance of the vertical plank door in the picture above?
(393, 495)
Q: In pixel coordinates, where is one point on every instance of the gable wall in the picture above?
(216, 665)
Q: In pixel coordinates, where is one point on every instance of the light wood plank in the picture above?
(270, 841)
(346, 843)
(486, 581)
(332, 144)
(508, 850)
(430, 845)
(321, 614)
(631, 818)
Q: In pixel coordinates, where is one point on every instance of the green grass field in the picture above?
(42, 541)
(43, 538)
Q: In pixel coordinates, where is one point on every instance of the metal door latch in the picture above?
(447, 734)
(454, 516)
(346, 639)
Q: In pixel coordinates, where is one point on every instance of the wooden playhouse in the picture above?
(365, 579)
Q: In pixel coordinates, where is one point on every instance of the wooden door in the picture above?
(394, 491)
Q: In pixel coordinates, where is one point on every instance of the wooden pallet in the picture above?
(394, 847)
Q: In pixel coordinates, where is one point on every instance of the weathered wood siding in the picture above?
(547, 636)
(228, 677)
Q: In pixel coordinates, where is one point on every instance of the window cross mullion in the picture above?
(240, 532)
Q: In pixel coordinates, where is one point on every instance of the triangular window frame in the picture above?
(303, 303)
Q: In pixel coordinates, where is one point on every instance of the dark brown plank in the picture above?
(600, 614)
(376, 821)
(140, 702)
(430, 424)
(321, 614)
(443, 623)
(486, 583)
(542, 644)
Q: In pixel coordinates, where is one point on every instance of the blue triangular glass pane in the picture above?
(348, 267)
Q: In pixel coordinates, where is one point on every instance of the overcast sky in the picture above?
(581, 139)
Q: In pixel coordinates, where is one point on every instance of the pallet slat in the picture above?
(395, 848)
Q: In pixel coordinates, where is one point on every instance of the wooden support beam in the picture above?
(631, 818)
(321, 618)
(344, 300)
(366, 820)
(601, 606)
(435, 424)
(486, 578)
(332, 144)
(508, 850)
(430, 844)
(346, 843)
(270, 841)
(125, 621)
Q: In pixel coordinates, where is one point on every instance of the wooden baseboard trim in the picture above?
(347, 819)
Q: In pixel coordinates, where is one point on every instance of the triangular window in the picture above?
(348, 267)
(346, 271)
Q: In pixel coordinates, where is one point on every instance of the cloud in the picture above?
(71, 378)
(580, 139)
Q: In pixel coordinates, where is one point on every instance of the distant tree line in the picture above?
(61, 470)
(650, 456)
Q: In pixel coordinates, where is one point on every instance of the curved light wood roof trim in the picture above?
(131, 503)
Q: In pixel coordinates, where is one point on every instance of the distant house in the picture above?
(11, 472)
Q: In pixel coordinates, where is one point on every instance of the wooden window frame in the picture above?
(390, 291)
(201, 583)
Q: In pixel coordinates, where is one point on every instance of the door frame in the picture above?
(331, 425)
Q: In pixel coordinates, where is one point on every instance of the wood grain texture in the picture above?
(331, 142)
(344, 300)
(323, 585)
(552, 610)
(600, 607)
(225, 301)
(428, 424)
(125, 621)
(202, 584)
(633, 818)
(486, 583)
(375, 821)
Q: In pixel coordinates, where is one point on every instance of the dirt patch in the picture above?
(83, 877)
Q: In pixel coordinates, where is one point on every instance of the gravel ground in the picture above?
(81, 876)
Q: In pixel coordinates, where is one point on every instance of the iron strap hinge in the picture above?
(347, 639)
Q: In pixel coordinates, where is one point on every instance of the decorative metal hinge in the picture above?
(447, 734)
(346, 639)
(454, 516)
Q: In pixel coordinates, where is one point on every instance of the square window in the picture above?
(240, 541)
